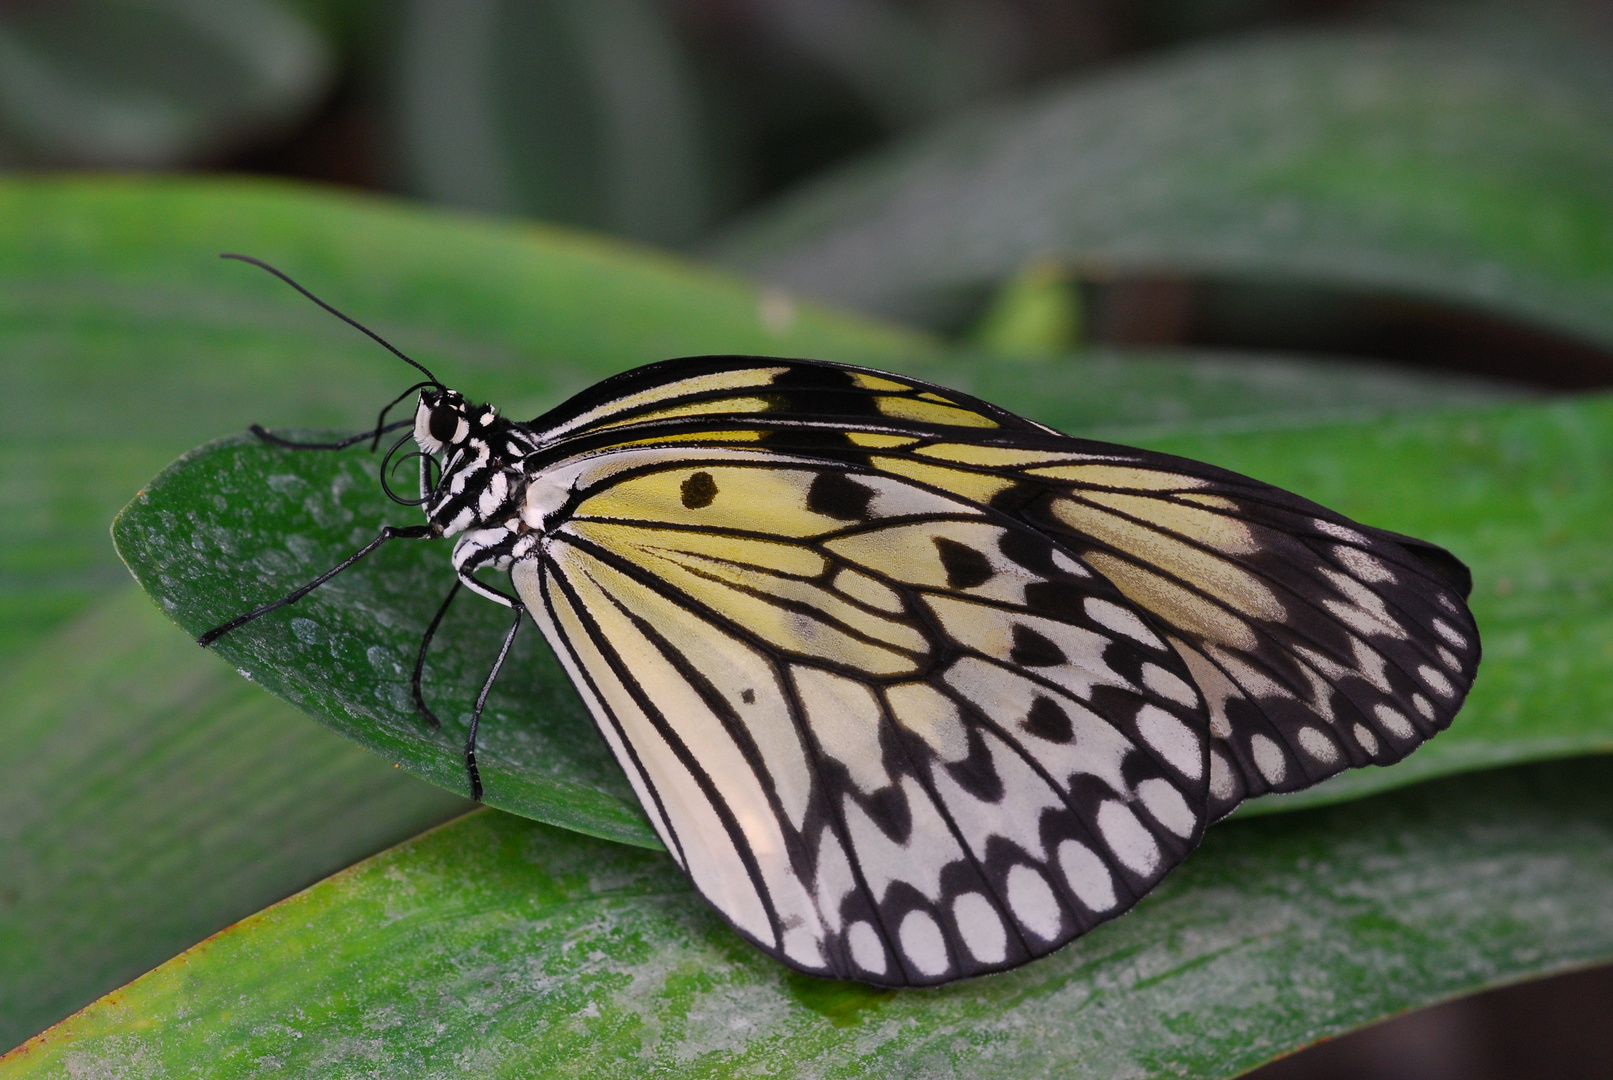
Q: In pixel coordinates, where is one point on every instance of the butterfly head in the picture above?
(445, 421)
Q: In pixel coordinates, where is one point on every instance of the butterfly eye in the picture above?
(443, 424)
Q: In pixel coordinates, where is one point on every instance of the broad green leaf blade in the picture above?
(239, 523)
(151, 797)
(1523, 492)
(1436, 167)
(500, 947)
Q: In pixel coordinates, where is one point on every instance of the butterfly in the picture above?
(912, 688)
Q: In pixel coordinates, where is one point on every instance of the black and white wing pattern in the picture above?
(916, 689)
(891, 735)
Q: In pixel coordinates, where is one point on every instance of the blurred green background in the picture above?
(1418, 194)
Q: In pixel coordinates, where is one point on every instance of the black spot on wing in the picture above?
(1056, 599)
(976, 773)
(1033, 650)
(819, 441)
(1027, 548)
(699, 490)
(965, 567)
(813, 390)
(838, 496)
(1047, 721)
(748, 696)
(888, 809)
(1013, 500)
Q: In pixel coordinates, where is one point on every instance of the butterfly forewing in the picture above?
(890, 734)
(1319, 644)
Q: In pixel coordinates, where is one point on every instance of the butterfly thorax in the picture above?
(480, 454)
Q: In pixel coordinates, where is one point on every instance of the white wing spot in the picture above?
(860, 587)
(1089, 879)
(1016, 817)
(1069, 565)
(1362, 565)
(1449, 659)
(932, 716)
(1338, 532)
(867, 951)
(845, 716)
(1167, 806)
(980, 927)
(1131, 843)
(1033, 902)
(1437, 681)
(921, 940)
(1172, 740)
(1368, 741)
(802, 946)
(1423, 706)
(1448, 604)
(834, 880)
(1315, 743)
(919, 862)
(1394, 720)
(1221, 785)
(1121, 621)
(1167, 685)
(1448, 632)
(1268, 759)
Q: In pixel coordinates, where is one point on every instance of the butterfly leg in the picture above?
(420, 660)
(475, 550)
(388, 532)
(481, 701)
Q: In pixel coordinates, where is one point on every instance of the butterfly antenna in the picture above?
(350, 321)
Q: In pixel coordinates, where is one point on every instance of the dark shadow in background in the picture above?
(1555, 1028)
(1299, 319)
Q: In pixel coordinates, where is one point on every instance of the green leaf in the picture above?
(150, 797)
(499, 947)
(1447, 168)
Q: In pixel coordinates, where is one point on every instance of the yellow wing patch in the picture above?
(1119, 476)
(697, 408)
(980, 487)
(987, 457)
(699, 384)
(715, 497)
(929, 412)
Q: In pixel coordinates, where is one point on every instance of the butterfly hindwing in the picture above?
(892, 735)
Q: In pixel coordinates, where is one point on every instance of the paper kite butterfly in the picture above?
(912, 688)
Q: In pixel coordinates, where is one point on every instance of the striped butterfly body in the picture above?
(915, 689)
